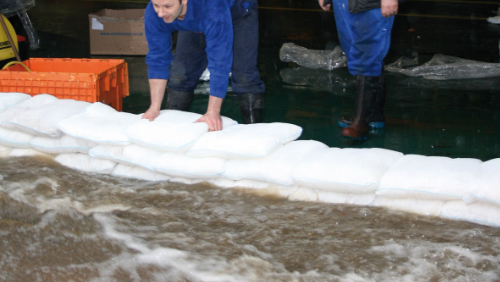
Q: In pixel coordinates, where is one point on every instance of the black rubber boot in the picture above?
(378, 107)
(179, 100)
(377, 117)
(367, 89)
(252, 107)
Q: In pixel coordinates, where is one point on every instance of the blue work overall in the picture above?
(190, 58)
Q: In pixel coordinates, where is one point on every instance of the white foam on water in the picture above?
(197, 269)
(424, 261)
(413, 260)
(4, 151)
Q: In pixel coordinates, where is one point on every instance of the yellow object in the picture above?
(16, 63)
(6, 51)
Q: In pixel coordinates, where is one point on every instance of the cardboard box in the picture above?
(118, 32)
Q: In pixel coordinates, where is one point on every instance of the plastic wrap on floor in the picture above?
(494, 20)
(10, 8)
(317, 79)
(443, 67)
(95, 138)
(313, 59)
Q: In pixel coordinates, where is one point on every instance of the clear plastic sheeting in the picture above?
(11, 8)
(494, 20)
(314, 59)
(443, 67)
(205, 76)
(484, 84)
(317, 79)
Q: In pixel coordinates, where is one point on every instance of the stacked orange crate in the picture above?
(91, 80)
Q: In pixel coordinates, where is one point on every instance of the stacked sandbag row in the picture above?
(96, 138)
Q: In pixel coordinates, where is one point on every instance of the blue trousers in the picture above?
(190, 58)
(364, 37)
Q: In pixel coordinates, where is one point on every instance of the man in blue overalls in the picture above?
(219, 34)
(364, 28)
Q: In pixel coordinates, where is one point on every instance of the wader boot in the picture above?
(367, 89)
(179, 100)
(252, 107)
(377, 117)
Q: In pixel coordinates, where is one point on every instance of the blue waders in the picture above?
(365, 39)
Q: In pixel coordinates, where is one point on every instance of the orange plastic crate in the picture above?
(90, 80)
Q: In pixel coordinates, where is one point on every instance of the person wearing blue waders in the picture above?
(364, 29)
(219, 34)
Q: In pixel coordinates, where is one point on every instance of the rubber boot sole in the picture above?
(373, 124)
(353, 134)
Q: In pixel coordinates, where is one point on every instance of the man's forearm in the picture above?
(157, 90)
(214, 104)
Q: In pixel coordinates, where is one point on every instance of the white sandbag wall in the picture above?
(96, 138)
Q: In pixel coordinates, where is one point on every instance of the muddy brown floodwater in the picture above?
(57, 224)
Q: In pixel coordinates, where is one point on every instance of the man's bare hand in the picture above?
(326, 7)
(151, 114)
(387, 7)
(212, 116)
(213, 119)
(157, 89)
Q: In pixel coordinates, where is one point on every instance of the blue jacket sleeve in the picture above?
(219, 38)
(159, 38)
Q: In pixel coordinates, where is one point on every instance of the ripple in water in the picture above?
(57, 224)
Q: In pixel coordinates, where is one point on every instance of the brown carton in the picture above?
(118, 32)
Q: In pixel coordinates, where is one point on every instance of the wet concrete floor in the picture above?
(458, 118)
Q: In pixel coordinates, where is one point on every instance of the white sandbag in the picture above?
(133, 155)
(8, 99)
(10, 138)
(18, 152)
(40, 115)
(4, 151)
(64, 145)
(276, 167)
(185, 181)
(245, 140)
(431, 178)
(180, 165)
(345, 198)
(304, 194)
(101, 124)
(138, 173)
(171, 131)
(223, 182)
(319, 195)
(485, 185)
(417, 206)
(356, 171)
(86, 163)
(482, 213)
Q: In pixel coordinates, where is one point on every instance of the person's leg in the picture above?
(190, 60)
(365, 38)
(245, 78)
(377, 117)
